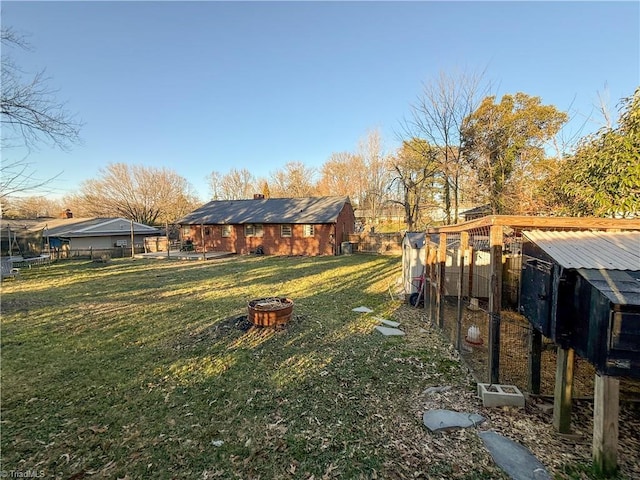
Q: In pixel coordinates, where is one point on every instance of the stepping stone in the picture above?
(388, 323)
(362, 310)
(440, 389)
(436, 420)
(388, 332)
(515, 459)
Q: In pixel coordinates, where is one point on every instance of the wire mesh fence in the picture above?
(458, 296)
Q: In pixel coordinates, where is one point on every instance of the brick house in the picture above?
(279, 226)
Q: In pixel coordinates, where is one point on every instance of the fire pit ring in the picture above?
(270, 311)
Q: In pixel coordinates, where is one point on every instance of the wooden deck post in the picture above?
(495, 302)
(464, 245)
(442, 259)
(563, 392)
(605, 424)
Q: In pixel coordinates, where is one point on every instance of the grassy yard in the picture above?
(144, 369)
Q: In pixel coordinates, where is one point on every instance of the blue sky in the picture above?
(203, 86)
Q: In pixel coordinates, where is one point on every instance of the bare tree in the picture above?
(437, 117)
(31, 207)
(20, 176)
(30, 115)
(378, 172)
(234, 185)
(143, 194)
(415, 169)
(295, 179)
(343, 174)
(214, 181)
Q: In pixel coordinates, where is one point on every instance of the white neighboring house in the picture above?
(94, 233)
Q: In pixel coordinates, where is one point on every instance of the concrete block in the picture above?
(494, 395)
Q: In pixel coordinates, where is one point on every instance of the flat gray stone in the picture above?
(515, 459)
(387, 332)
(436, 420)
(440, 389)
(388, 323)
(362, 310)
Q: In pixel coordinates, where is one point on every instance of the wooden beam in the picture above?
(495, 302)
(464, 245)
(605, 424)
(524, 222)
(563, 390)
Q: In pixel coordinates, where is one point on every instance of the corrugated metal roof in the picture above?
(618, 286)
(270, 210)
(590, 250)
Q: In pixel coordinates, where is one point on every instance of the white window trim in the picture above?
(308, 230)
(226, 231)
(287, 226)
(256, 230)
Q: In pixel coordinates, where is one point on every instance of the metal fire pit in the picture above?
(271, 311)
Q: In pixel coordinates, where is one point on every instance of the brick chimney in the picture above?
(66, 214)
(258, 196)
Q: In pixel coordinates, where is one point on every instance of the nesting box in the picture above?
(582, 290)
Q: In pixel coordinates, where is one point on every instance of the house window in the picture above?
(253, 230)
(186, 231)
(308, 230)
(285, 231)
(226, 230)
(207, 232)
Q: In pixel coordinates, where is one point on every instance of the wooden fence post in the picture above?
(464, 245)
(133, 252)
(167, 239)
(495, 302)
(535, 360)
(442, 259)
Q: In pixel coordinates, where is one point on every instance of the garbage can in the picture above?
(346, 248)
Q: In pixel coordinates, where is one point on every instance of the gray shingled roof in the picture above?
(270, 210)
(590, 250)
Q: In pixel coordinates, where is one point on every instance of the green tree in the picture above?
(499, 139)
(602, 178)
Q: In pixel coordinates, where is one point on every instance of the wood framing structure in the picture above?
(502, 233)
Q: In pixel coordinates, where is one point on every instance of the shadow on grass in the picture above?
(128, 369)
